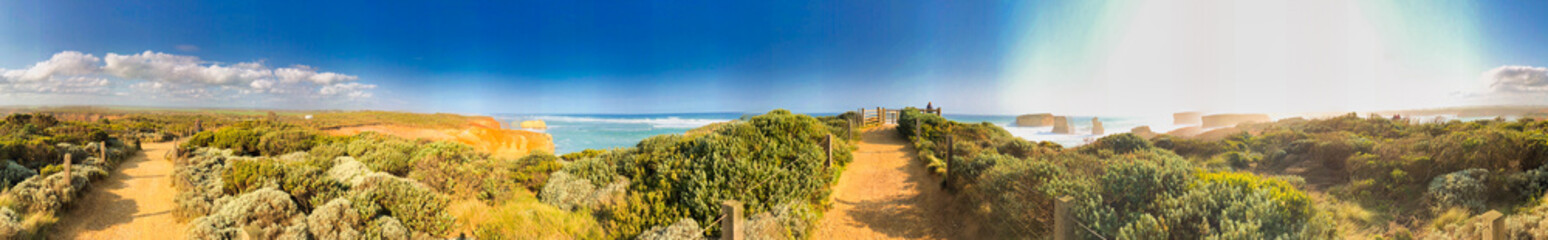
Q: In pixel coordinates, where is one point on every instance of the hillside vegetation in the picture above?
(36, 188)
(1123, 187)
(671, 186)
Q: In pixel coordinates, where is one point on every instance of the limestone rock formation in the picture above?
(1231, 120)
(1035, 120)
(1143, 131)
(1096, 126)
(1061, 125)
(1186, 118)
(482, 133)
(534, 124)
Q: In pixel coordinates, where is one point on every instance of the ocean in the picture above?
(576, 132)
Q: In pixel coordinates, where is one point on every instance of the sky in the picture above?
(974, 57)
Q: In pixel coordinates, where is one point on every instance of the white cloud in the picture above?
(162, 67)
(63, 64)
(159, 75)
(349, 90)
(299, 73)
(1517, 79)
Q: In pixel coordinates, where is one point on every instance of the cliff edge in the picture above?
(483, 133)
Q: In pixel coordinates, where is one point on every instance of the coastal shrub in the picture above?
(13, 173)
(198, 182)
(323, 155)
(472, 176)
(309, 185)
(532, 171)
(336, 220)
(417, 207)
(265, 214)
(348, 171)
(965, 171)
(386, 228)
(588, 153)
(1014, 192)
(594, 170)
(785, 221)
(1241, 203)
(10, 224)
(285, 141)
(1530, 184)
(1463, 189)
(568, 192)
(685, 229)
(387, 161)
(762, 161)
(1120, 143)
(45, 194)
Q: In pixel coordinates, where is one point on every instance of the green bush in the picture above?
(532, 171)
(417, 207)
(282, 142)
(762, 161)
(13, 173)
(265, 214)
(1459, 189)
(388, 161)
(1120, 143)
(336, 220)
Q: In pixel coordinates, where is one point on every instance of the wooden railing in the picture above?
(883, 116)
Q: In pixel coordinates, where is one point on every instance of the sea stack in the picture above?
(1035, 120)
(1186, 118)
(1061, 125)
(534, 124)
(1231, 120)
(1096, 126)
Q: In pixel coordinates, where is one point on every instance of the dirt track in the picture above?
(134, 202)
(888, 194)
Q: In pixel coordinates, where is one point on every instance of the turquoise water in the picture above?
(575, 132)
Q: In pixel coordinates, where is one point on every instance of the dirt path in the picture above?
(888, 194)
(135, 202)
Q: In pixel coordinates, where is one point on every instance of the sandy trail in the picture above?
(134, 202)
(888, 194)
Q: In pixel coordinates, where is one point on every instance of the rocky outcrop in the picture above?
(1035, 120)
(1186, 131)
(1061, 125)
(1143, 131)
(1186, 118)
(1096, 126)
(1231, 120)
(534, 124)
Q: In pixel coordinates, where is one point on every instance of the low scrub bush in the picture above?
(265, 214)
(1464, 189)
(532, 171)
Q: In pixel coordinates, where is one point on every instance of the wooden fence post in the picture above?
(1493, 226)
(103, 146)
(731, 220)
(827, 146)
(881, 116)
(1064, 225)
(849, 129)
(67, 169)
(949, 155)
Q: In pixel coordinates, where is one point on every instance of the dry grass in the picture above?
(524, 218)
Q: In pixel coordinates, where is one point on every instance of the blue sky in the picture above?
(672, 56)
